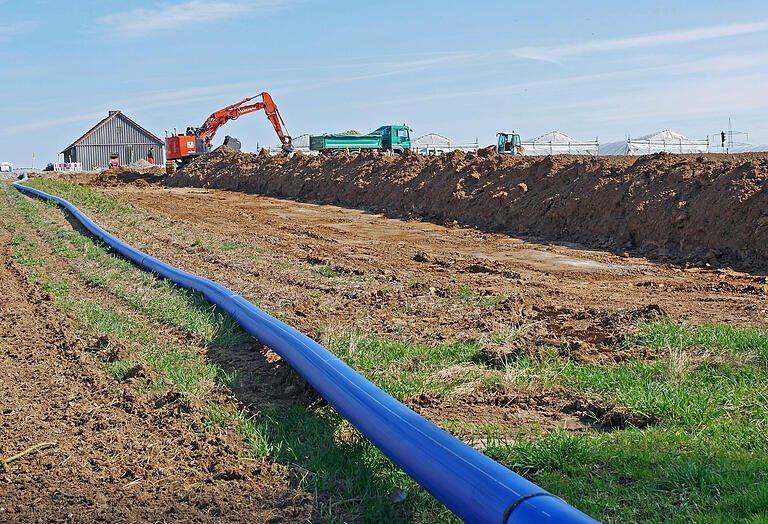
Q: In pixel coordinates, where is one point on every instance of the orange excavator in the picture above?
(182, 149)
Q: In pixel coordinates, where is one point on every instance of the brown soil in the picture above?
(426, 281)
(324, 268)
(113, 455)
(533, 411)
(422, 281)
(697, 209)
(113, 176)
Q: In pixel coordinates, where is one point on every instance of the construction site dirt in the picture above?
(407, 276)
(413, 278)
(429, 277)
(327, 269)
(686, 209)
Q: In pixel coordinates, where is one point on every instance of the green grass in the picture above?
(229, 245)
(467, 294)
(336, 458)
(81, 195)
(118, 369)
(333, 458)
(57, 287)
(744, 343)
(26, 252)
(184, 310)
(183, 367)
(404, 369)
(705, 459)
(17, 240)
(648, 475)
(323, 270)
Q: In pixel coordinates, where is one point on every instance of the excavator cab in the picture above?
(510, 144)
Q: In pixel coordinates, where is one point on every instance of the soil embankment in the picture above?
(696, 209)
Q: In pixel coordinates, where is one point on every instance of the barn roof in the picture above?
(110, 116)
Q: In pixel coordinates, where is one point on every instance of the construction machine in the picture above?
(180, 149)
(509, 144)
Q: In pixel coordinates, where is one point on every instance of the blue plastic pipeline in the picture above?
(474, 487)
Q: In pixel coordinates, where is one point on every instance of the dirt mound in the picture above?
(126, 175)
(700, 209)
(114, 176)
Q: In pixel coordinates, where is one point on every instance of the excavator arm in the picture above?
(222, 116)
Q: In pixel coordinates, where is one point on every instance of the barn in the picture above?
(116, 138)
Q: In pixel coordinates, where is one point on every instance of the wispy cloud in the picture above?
(142, 21)
(714, 66)
(14, 28)
(557, 53)
(142, 102)
(47, 123)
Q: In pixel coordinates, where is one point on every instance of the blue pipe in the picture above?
(474, 487)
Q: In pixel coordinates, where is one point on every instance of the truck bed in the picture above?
(326, 142)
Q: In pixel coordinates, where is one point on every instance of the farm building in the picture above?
(117, 138)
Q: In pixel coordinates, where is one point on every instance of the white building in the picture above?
(557, 143)
(662, 142)
(434, 144)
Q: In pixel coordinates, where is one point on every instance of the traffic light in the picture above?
(722, 137)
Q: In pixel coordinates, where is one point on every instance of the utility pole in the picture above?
(730, 136)
(726, 138)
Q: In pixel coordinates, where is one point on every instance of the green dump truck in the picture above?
(395, 139)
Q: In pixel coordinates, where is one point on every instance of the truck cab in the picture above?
(394, 138)
(509, 144)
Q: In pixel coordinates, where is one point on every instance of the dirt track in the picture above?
(325, 269)
(425, 281)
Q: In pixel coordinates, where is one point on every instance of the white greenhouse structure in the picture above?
(557, 143)
(662, 142)
(434, 144)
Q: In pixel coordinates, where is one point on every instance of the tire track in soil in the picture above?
(118, 456)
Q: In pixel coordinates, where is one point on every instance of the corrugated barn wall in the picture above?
(117, 134)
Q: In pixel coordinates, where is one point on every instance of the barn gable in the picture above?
(115, 135)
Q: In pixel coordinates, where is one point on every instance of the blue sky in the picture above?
(462, 69)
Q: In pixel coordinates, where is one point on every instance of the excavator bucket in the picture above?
(287, 146)
(232, 143)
